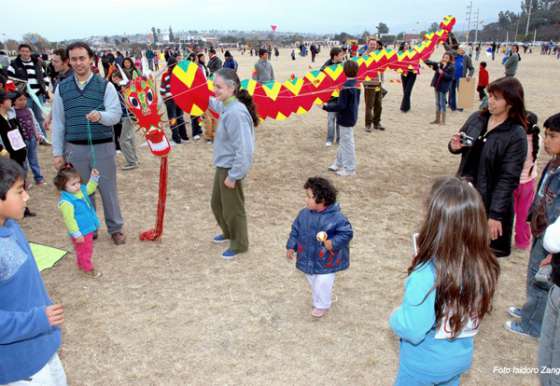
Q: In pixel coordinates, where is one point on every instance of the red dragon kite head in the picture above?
(142, 100)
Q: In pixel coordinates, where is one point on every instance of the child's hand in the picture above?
(95, 173)
(546, 261)
(80, 239)
(290, 254)
(328, 245)
(55, 314)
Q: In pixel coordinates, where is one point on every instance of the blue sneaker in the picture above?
(515, 312)
(219, 239)
(228, 254)
(515, 327)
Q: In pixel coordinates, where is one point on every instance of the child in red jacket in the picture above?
(482, 80)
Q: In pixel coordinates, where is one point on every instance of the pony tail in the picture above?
(244, 97)
(534, 131)
(536, 144)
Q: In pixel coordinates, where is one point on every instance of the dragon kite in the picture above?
(191, 91)
(278, 100)
(141, 100)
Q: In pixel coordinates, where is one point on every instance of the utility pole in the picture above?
(469, 16)
(535, 36)
(528, 17)
(477, 23)
(517, 28)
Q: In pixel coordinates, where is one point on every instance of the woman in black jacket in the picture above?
(493, 148)
(444, 73)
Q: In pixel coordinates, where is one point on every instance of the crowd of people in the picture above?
(468, 222)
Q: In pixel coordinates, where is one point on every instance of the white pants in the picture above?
(346, 154)
(321, 287)
(52, 374)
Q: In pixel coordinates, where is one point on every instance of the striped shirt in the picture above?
(165, 86)
(31, 75)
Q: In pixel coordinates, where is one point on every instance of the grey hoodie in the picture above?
(234, 143)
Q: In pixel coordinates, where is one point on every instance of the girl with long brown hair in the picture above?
(449, 289)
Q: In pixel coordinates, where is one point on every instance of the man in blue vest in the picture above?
(85, 108)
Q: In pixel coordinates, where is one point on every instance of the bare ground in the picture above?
(173, 312)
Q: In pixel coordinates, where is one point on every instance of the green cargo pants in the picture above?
(228, 206)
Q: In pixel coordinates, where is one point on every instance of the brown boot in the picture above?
(437, 121)
(442, 118)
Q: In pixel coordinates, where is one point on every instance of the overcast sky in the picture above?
(63, 19)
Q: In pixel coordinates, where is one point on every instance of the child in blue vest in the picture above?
(321, 236)
(29, 322)
(79, 213)
(449, 290)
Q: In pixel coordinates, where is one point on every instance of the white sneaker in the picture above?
(329, 143)
(333, 168)
(345, 173)
(196, 137)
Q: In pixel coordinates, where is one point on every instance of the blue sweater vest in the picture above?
(83, 211)
(78, 103)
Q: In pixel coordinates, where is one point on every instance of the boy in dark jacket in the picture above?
(441, 82)
(320, 235)
(346, 107)
(337, 56)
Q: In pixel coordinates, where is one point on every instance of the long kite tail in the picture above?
(278, 100)
(155, 234)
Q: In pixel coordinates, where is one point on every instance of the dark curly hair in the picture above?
(323, 191)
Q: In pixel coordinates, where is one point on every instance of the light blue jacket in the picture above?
(414, 321)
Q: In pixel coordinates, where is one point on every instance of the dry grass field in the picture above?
(175, 313)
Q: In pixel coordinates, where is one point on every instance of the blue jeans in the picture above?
(38, 112)
(532, 312)
(33, 160)
(332, 127)
(453, 94)
(408, 378)
(549, 342)
(441, 101)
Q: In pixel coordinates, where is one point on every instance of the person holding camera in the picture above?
(493, 148)
(441, 82)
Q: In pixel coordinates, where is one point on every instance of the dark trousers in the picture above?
(176, 121)
(407, 85)
(195, 124)
(228, 206)
(502, 245)
(118, 130)
(453, 94)
(481, 92)
(373, 96)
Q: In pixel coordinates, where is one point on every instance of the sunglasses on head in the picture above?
(67, 166)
